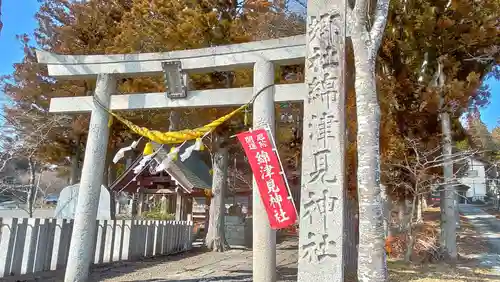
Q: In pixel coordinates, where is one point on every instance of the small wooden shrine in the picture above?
(175, 187)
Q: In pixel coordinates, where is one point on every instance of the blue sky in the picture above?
(16, 19)
(19, 20)
(491, 114)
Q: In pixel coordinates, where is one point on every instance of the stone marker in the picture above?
(68, 198)
(323, 170)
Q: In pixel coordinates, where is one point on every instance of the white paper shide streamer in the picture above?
(163, 164)
(142, 163)
(121, 153)
(197, 146)
(166, 162)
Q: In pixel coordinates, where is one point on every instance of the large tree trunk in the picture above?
(418, 218)
(404, 215)
(448, 238)
(410, 234)
(75, 161)
(174, 120)
(394, 223)
(216, 239)
(109, 174)
(425, 199)
(448, 215)
(372, 260)
(351, 239)
(351, 208)
(366, 42)
(30, 197)
(401, 205)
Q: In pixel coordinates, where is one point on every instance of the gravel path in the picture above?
(489, 228)
(194, 266)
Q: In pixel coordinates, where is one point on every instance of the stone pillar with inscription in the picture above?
(264, 238)
(83, 235)
(323, 169)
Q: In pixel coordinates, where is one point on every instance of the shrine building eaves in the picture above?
(281, 51)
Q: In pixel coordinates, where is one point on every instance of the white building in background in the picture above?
(479, 180)
(475, 178)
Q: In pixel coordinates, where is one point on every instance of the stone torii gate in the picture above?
(321, 246)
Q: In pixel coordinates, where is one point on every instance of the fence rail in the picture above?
(30, 245)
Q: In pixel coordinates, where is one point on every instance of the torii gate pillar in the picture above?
(323, 171)
(82, 237)
(264, 238)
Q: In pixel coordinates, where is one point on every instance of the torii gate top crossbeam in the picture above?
(282, 51)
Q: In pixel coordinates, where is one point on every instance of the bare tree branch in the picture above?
(414, 173)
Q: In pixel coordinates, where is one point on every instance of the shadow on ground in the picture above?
(487, 224)
(400, 271)
(284, 274)
(189, 265)
(108, 270)
(219, 278)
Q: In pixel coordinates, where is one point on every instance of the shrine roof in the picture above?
(191, 174)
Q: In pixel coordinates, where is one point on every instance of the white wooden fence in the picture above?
(30, 245)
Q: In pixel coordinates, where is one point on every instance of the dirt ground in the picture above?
(471, 246)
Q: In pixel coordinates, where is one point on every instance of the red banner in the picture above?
(269, 177)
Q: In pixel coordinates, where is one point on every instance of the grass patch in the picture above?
(400, 272)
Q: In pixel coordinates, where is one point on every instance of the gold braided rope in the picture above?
(175, 137)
